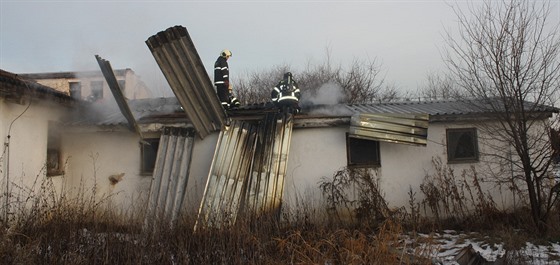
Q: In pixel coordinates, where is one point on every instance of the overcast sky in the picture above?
(406, 37)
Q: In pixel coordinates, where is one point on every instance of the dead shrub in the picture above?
(457, 200)
(355, 194)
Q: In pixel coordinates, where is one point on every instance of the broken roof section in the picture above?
(15, 88)
(169, 110)
(393, 128)
(248, 170)
(181, 65)
(109, 75)
(170, 177)
(149, 110)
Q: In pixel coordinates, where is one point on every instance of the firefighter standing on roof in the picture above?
(221, 81)
(286, 94)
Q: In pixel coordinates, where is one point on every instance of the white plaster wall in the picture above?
(316, 153)
(23, 163)
(116, 152)
(134, 88)
(95, 156)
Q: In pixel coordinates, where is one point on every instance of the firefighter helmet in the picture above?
(288, 74)
(288, 78)
(226, 53)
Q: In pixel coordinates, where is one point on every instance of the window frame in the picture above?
(451, 157)
(351, 152)
(96, 88)
(75, 89)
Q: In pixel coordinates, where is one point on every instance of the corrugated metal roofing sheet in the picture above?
(181, 65)
(248, 170)
(111, 79)
(154, 107)
(394, 128)
(441, 107)
(170, 176)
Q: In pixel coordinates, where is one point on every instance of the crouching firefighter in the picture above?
(286, 95)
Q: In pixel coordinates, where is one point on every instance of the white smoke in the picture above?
(326, 100)
(328, 94)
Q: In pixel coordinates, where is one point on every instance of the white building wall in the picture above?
(23, 156)
(314, 153)
(134, 87)
(95, 156)
(320, 152)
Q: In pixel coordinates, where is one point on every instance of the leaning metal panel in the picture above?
(394, 128)
(181, 65)
(170, 176)
(111, 80)
(247, 174)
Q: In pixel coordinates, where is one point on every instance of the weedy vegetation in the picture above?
(357, 226)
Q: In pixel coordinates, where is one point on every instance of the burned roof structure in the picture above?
(169, 109)
(69, 74)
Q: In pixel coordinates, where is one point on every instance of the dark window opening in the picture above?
(54, 155)
(462, 145)
(53, 162)
(76, 90)
(96, 90)
(149, 155)
(362, 152)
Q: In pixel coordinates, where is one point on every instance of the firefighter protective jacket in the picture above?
(221, 72)
(285, 93)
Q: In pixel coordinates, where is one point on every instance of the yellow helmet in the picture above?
(225, 53)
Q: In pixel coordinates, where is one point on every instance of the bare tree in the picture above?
(360, 83)
(506, 56)
(255, 87)
(438, 87)
(363, 83)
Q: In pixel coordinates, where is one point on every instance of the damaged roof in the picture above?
(437, 109)
(169, 110)
(14, 87)
(71, 74)
(144, 111)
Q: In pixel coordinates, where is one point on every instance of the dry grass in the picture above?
(51, 228)
(64, 240)
(71, 237)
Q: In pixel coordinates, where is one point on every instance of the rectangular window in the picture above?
(462, 145)
(96, 90)
(54, 157)
(122, 83)
(76, 90)
(362, 152)
(53, 162)
(149, 155)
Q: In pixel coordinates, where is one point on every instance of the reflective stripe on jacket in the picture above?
(221, 71)
(279, 95)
